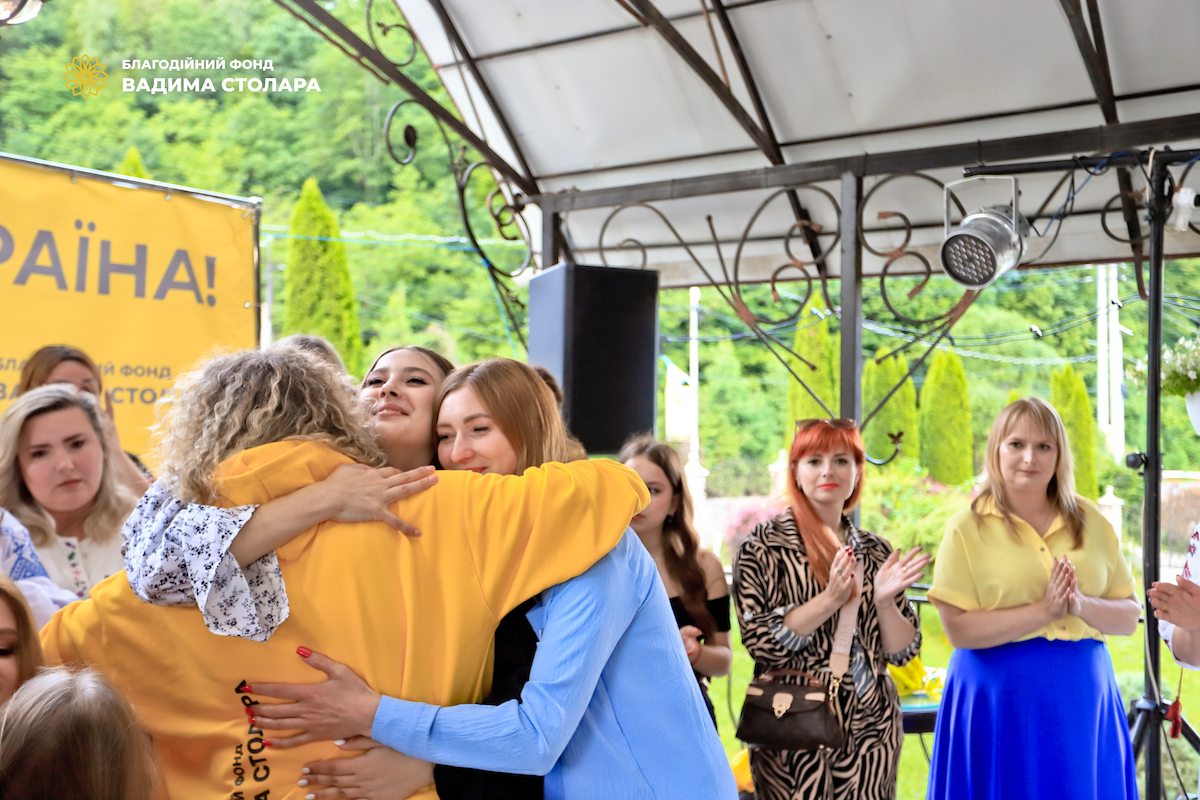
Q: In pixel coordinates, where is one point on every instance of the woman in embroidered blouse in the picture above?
(693, 577)
(1028, 582)
(791, 577)
(58, 477)
(62, 364)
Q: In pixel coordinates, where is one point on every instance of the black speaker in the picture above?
(596, 330)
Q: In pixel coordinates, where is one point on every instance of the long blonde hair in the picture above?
(521, 405)
(1061, 489)
(112, 503)
(29, 646)
(236, 401)
(67, 734)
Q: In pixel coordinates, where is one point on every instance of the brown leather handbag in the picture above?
(791, 716)
(802, 716)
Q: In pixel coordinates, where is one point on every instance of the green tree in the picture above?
(1013, 396)
(814, 343)
(1069, 396)
(946, 421)
(900, 412)
(394, 329)
(132, 165)
(320, 298)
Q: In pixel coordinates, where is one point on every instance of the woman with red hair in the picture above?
(792, 578)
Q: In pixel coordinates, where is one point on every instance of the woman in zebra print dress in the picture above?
(791, 577)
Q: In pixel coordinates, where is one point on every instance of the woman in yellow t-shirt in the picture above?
(1028, 582)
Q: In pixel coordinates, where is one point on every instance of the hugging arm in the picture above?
(585, 619)
(223, 560)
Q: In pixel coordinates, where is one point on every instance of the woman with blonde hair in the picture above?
(608, 672)
(693, 577)
(58, 477)
(20, 650)
(1028, 582)
(413, 616)
(58, 363)
(794, 578)
(67, 735)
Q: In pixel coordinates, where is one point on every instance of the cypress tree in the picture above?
(1069, 396)
(814, 343)
(900, 413)
(945, 414)
(1013, 396)
(320, 298)
(132, 165)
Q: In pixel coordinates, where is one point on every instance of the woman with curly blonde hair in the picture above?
(58, 477)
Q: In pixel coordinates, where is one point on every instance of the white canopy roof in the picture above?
(596, 100)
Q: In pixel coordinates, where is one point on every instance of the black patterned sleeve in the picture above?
(908, 610)
(769, 642)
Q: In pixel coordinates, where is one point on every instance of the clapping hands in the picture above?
(898, 573)
(1177, 603)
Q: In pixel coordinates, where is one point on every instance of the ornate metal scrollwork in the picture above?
(730, 287)
(509, 222)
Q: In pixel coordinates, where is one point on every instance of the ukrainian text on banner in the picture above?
(145, 279)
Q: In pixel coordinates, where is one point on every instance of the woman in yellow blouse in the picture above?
(1028, 581)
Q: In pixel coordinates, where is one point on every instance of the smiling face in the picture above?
(827, 479)
(61, 461)
(76, 374)
(398, 393)
(663, 499)
(1028, 458)
(468, 438)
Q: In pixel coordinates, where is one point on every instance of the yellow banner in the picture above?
(144, 280)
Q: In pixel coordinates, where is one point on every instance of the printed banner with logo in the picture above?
(145, 279)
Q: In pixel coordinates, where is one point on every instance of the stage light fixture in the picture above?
(987, 243)
(14, 12)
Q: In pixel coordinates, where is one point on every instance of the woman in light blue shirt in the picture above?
(611, 708)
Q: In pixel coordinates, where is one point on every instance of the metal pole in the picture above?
(1152, 530)
(850, 391)
(1102, 393)
(1116, 368)
(693, 471)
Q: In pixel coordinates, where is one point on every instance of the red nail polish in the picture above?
(304, 652)
(247, 689)
(268, 743)
(249, 711)
(253, 722)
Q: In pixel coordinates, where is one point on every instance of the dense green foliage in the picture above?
(413, 281)
(945, 414)
(898, 415)
(1069, 396)
(319, 298)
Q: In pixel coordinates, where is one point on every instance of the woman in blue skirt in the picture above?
(1028, 581)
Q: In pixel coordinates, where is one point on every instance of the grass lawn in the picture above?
(935, 652)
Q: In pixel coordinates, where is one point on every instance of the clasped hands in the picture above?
(1062, 595)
